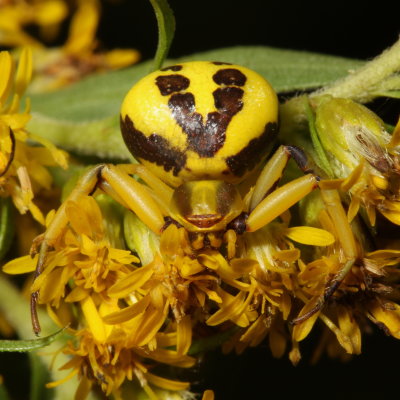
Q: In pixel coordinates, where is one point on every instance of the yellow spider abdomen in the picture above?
(200, 121)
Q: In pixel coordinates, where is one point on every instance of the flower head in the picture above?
(363, 155)
(23, 167)
(16, 15)
(78, 57)
(354, 285)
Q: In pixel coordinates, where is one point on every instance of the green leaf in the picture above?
(7, 225)
(22, 346)
(321, 158)
(84, 117)
(166, 30)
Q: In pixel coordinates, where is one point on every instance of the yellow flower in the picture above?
(268, 267)
(175, 280)
(353, 284)
(78, 286)
(82, 257)
(23, 167)
(79, 56)
(16, 15)
(364, 157)
(112, 363)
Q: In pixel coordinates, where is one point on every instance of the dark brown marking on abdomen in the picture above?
(220, 63)
(174, 68)
(257, 149)
(206, 139)
(228, 100)
(154, 148)
(168, 84)
(229, 76)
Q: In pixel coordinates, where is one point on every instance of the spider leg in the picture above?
(273, 170)
(348, 245)
(116, 182)
(279, 201)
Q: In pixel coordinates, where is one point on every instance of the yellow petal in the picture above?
(170, 243)
(184, 335)
(50, 12)
(148, 325)
(353, 208)
(395, 141)
(78, 217)
(127, 313)
(243, 266)
(190, 267)
(277, 342)
(120, 58)
(392, 216)
(301, 330)
(60, 381)
(59, 156)
(168, 357)
(387, 253)
(208, 395)
(24, 71)
(83, 27)
(6, 68)
(349, 328)
(380, 182)
(291, 255)
(93, 319)
(310, 235)
(21, 265)
(76, 294)
(230, 308)
(164, 383)
(353, 177)
(14, 120)
(132, 281)
(388, 314)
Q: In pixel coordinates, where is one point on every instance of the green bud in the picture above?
(348, 132)
(112, 220)
(310, 207)
(139, 238)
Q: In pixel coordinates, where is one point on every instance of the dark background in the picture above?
(350, 29)
(347, 28)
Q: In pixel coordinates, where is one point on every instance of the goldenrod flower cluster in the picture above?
(23, 167)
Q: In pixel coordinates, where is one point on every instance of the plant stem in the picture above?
(360, 84)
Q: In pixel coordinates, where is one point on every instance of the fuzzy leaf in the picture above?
(84, 117)
(22, 346)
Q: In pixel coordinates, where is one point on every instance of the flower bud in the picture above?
(349, 132)
(140, 239)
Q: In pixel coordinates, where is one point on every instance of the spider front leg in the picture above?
(266, 207)
(349, 249)
(118, 184)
